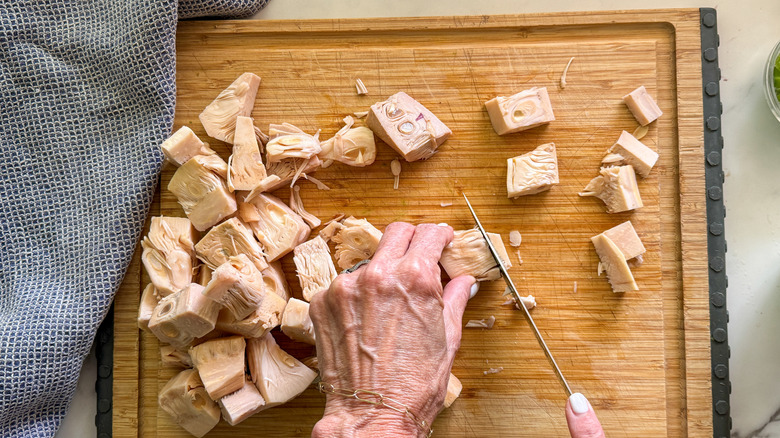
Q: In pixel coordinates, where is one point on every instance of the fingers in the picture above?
(456, 295)
(429, 240)
(395, 241)
(581, 418)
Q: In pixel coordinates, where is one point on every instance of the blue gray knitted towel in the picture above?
(87, 94)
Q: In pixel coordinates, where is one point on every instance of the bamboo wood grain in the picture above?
(642, 359)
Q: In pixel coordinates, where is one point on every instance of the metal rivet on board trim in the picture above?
(713, 158)
(715, 193)
(713, 123)
(711, 88)
(708, 19)
(721, 371)
(719, 335)
(717, 263)
(711, 54)
(722, 407)
(718, 299)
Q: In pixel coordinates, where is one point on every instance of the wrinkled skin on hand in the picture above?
(390, 327)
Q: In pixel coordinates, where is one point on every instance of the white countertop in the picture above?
(748, 30)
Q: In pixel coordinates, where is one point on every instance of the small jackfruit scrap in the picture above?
(454, 388)
(533, 172)
(278, 228)
(275, 281)
(220, 364)
(246, 169)
(617, 187)
(468, 254)
(183, 145)
(524, 110)
(229, 239)
(279, 376)
(168, 253)
(351, 146)
(624, 236)
(149, 300)
(175, 357)
(263, 319)
(185, 399)
(331, 228)
(183, 316)
(407, 126)
(296, 204)
(629, 150)
(642, 106)
(219, 117)
(528, 301)
(515, 238)
(201, 191)
(296, 323)
(360, 87)
(614, 262)
(395, 169)
(285, 173)
(237, 286)
(356, 240)
(242, 404)
(289, 141)
(565, 71)
(314, 267)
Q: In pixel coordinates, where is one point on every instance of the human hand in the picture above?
(390, 328)
(581, 418)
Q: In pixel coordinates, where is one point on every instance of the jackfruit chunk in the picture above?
(242, 404)
(201, 191)
(219, 117)
(220, 364)
(351, 146)
(267, 316)
(314, 267)
(229, 239)
(149, 300)
(279, 376)
(454, 388)
(278, 228)
(468, 254)
(181, 317)
(642, 106)
(168, 253)
(629, 150)
(246, 163)
(617, 187)
(177, 357)
(275, 281)
(183, 145)
(533, 172)
(624, 236)
(524, 110)
(356, 240)
(407, 126)
(285, 173)
(296, 323)
(614, 263)
(185, 399)
(288, 141)
(237, 285)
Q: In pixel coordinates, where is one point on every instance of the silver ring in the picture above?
(355, 268)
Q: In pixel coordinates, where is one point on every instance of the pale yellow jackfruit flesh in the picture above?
(642, 106)
(357, 240)
(288, 141)
(296, 323)
(632, 151)
(175, 357)
(185, 399)
(614, 262)
(454, 388)
(468, 254)
(279, 376)
(285, 173)
(533, 172)
(296, 204)
(242, 404)
(201, 192)
(524, 110)
(168, 253)
(183, 145)
(229, 239)
(220, 364)
(237, 286)
(204, 274)
(219, 117)
(314, 267)
(351, 146)
(149, 300)
(624, 236)
(275, 280)
(617, 187)
(265, 317)
(246, 163)
(278, 228)
(183, 316)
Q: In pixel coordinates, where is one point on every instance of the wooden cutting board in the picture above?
(642, 358)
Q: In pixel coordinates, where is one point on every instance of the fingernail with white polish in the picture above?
(474, 290)
(579, 404)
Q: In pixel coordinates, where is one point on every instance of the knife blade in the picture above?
(516, 296)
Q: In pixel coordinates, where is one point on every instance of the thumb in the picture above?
(582, 419)
(456, 295)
